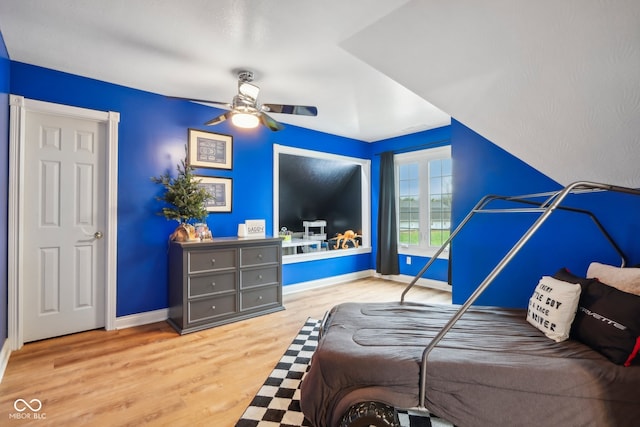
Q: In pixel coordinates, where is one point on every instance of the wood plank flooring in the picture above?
(149, 375)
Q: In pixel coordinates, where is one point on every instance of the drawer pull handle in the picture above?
(213, 284)
(260, 297)
(260, 276)
(213, 307)
(259, 256)
(213, 260)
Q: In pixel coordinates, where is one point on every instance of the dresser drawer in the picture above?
(211, 260)
(258, 276)
(211, 308)
(211, 284)
(259, 255)
(259, 297)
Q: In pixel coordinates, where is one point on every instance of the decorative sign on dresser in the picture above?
(223, 280)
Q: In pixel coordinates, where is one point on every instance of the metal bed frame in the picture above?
(544, 204)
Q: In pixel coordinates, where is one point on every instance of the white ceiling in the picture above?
(556, 83)
(190, 48)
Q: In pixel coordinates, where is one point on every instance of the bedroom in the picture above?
(153, 132)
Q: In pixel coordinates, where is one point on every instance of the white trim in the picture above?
(145, 318)
(285, 149)
(5, 353)
(327, 281)
(161, 315)
(18, 110)
(312, 256)
(111, 279)
(424, 154)
(422, 158)
(140, 319)
(424, 282)
(365, 187)
(14, 265)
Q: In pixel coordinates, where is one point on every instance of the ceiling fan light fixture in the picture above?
(245, 120)
(245, 112)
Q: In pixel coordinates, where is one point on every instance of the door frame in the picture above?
(19, 107)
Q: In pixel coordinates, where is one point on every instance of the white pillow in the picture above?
(623, 279)
(552, 307)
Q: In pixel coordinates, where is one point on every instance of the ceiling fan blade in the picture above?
(270, 123)
(301, 110)
(207, 101)
(221, 118)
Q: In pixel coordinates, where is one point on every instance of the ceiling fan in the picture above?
(245, 112)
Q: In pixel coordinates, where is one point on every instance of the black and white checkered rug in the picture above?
(277, 403)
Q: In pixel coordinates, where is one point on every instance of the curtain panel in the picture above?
(387, 250)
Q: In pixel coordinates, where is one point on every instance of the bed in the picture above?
(475, 366)
(493, 368)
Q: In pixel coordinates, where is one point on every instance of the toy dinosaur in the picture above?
(348, 236)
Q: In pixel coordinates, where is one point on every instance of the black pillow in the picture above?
(567, 276)
(607, 320)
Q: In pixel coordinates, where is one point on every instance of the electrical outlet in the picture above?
(408, 260)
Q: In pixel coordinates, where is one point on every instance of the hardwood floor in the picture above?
(150, 375)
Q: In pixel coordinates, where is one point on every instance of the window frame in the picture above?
(365, 168)
(422, 157)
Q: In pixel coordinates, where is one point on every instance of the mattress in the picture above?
(492, 368)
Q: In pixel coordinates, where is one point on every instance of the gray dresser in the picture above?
(223, 281)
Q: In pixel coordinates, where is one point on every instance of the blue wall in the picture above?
(152, 135)
(565, 240)
(4, 183)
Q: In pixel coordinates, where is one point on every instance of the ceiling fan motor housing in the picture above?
(244, 105)
(245, 76)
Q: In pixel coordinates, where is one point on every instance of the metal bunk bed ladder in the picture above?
(544, 204)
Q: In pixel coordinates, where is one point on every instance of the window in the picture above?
(424, 190)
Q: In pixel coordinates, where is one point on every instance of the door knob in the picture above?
(98, 235)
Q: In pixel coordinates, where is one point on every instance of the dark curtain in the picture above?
(387, 256)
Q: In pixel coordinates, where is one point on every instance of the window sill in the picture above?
(312, 256)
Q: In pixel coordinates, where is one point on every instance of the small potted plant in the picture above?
(185, 200)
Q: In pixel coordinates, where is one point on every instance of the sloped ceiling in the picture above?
(553, 82)
(556, 83)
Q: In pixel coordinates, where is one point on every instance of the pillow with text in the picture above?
(552, 307)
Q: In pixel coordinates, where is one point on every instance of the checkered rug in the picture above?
(277, 403)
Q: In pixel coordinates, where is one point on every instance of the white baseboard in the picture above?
(327, 281)
(427, 283)
(5, 353)
(140, 319)
(145, 318)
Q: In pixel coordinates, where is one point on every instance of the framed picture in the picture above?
(210, 150)
(220, 190)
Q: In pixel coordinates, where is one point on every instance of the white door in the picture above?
(64, 219)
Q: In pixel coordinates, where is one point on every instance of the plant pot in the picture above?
(185, 233)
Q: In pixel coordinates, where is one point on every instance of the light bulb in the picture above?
(244, 120)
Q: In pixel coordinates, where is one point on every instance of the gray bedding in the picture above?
(492, 369)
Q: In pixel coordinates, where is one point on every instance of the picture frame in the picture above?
(221, 191)
(210, 150)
